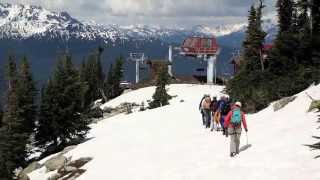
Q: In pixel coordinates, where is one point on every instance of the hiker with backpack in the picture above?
(217, 114)
(201, 110)
(233, 122)
(207, 111)
(213, 110)
(225, 108)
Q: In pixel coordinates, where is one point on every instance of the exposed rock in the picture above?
(95, 113)
(23, 176)
(32, 167)
(67, 149)
(67, 169)
(55, 162)
(314, 105)
(107, 109)
(283, 102)
(79, 162)
(73, 175)
(55, 176)
(72, 169)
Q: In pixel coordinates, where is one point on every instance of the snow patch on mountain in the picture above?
(25, 21)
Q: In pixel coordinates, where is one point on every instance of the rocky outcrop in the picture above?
(71, 170)
(59, 166)
(125, 107)
(32, 167)
(55, 163)
(283, 102)
(315, 104)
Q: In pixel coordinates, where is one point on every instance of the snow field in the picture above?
(171, 143)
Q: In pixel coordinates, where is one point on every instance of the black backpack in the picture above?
(225, 108)
(213, 104)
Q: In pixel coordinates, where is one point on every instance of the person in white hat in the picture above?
(233, 122)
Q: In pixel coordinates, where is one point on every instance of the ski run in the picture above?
(170, 143)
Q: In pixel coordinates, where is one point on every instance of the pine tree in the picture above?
(108, 84)
(100, 73)
(248, 85)
(47, 125)
(117, 76)
(13, 138)
(92, 75)
(315, 16)
(285, 10)
(26, 91)
(254, 40)
(60, 117)
(1, 114)
(112, 83)
(161, 97)
(288, 61)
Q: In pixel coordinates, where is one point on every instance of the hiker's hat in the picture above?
(238, 104)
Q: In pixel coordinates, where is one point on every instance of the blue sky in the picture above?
(183, 13)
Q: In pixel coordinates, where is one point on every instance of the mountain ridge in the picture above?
(26, 21)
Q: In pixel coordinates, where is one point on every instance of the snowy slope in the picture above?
(170, 142)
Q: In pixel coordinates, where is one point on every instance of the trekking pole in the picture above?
(247, 138)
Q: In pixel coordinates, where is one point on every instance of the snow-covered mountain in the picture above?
(41, 35)
(25, 21)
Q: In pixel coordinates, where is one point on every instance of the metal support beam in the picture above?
(170, 61)
(210, 68)
(138, 58)
(137, 71)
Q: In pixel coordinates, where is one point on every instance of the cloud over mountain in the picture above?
(159, 12)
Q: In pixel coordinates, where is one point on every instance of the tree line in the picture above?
(292, 64)
(58, 114)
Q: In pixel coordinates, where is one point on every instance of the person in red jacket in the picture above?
(233, 122)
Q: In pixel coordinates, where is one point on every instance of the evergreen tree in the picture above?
(254, 40)
(247, 85)
(60, 118)
(112, 83)
(13, 138)
(315, 16)
(108, 85)
(47, 122)
(117, 76)
(288, 62)
(100, 73)
(92, 74)
(161, 97)
(1, 114)
(27, 94)
(314, 54)
(285, 10)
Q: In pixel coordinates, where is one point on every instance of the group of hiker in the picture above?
(223, 115)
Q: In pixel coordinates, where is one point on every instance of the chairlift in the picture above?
(199, 47)
(203, 47)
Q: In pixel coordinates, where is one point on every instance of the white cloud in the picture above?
(162, 12)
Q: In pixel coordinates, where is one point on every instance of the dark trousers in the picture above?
(207, 114)
(222, 123)
(203, 117)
